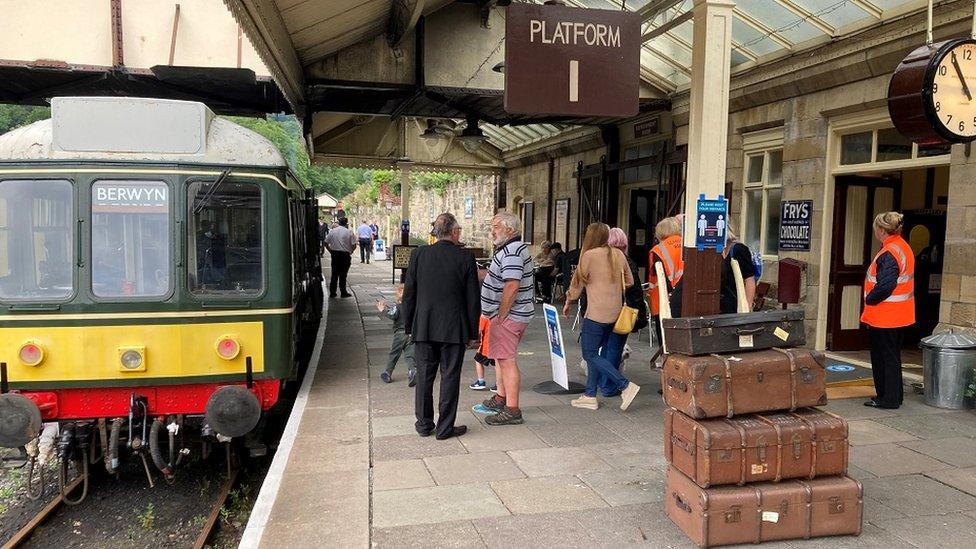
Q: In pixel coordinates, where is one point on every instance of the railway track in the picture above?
(209, 526)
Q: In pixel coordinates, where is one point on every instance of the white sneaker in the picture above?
(627, 395)
(590, 403)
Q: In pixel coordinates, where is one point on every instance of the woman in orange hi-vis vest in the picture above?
(889, 307)
(668, 253)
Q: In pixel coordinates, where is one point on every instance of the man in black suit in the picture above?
(441, 306)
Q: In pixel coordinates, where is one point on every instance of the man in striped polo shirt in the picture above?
(507, 298)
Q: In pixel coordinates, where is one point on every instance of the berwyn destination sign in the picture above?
(571, 61)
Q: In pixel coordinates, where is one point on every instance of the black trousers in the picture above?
(448, 358)
(340, 270)
(365, 247)
(886, 365)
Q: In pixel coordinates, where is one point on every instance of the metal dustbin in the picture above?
(948, 359)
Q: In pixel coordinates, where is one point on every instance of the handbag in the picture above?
(628, 315)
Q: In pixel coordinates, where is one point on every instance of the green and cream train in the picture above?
(159, 267)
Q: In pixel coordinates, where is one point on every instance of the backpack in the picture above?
(757, 262)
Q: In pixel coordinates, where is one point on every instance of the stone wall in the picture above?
(958, 306)
(426, 205)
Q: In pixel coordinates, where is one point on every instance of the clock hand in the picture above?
(965, 87)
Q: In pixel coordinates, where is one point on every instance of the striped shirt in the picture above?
(510, 262)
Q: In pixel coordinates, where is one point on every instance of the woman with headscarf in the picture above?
(889, 308)
(603, 273)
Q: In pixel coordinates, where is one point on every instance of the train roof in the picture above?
(126, 129)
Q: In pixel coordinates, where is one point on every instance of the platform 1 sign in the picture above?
(571, 61)
(796, 217)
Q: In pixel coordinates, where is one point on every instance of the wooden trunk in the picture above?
(807, 443)
(760, 381)
(794, 509)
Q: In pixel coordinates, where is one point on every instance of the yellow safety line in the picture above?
(139, 170)
(174, 314)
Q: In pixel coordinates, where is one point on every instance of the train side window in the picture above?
(36, 240)
(130, 239)
(225, 238)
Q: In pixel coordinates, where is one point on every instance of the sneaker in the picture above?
(412, 378)
(494, 389)
(505, 417)
(589, 403)
(627, 396)
(494, 404)
(482, 409)
(386, 376)
(478, 385)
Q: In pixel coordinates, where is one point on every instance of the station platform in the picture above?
(352, 472)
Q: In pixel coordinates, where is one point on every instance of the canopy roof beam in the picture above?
(808, 16)
(762, 28)
(654, 8)
(869, 8)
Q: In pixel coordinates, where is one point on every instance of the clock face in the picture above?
(952, 103)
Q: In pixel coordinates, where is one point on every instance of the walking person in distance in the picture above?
(340, 242)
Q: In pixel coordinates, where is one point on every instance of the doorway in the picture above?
(920, 194)
(640, 227)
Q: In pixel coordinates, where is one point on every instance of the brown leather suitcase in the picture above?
(793, 509)
(735, 332)
(745, 383)
(807, 443)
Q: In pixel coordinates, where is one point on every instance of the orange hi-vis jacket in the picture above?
(898, 310)
(668, 252)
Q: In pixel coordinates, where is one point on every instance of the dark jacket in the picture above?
(634, 297)
(887, 275)
(441, 299)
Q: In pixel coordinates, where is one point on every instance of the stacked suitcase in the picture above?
(749, 459)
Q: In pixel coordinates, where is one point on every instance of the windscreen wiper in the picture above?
(213, 190)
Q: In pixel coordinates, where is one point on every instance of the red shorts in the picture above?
(505, 337)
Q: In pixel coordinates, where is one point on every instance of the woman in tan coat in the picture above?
(603, 273)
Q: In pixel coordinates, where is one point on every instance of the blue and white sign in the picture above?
(796, 217)
(710, 223)
(840, 368)
(557, 348)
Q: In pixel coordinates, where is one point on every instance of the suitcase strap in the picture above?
(742, 449)
(813, 444)
(790, 356)
(728, 385)
(780, 447)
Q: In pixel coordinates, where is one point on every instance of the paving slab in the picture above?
(391, 426)
(630, 486)
(857, 473)
(853, 409)
(917, 495)
(872, 537)
(865, 431)
(569, 415)
(546, 495)
(950, 531)
(543, 530)
(502, 438)
(435, 504)
(414, 447)
(400, 474)
(327, 454)
(633, 431)
(575, 435)
(890, 459)
(875, 511)
(459, 535)
(960, 479)
(631, 454)
(545, 462)
(940, 425)
(956, 451)
(334, 500)
(632, 525)
(472, 468)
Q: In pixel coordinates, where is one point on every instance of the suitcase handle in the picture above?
(677, 384)
(681, 503)
(750, 331)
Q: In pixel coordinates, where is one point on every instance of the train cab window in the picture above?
(36, 240)
(225, 256)
(130, 239)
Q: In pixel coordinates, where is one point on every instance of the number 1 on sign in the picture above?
(573, 81)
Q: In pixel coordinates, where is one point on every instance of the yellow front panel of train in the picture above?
(35, 354)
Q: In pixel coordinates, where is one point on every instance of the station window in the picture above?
(648, 172)
(130, 239)
(224, 249)
(36, 240)
(762, 195)
(882, 145)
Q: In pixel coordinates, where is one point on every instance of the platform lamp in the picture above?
(472, 137)
(437, 137)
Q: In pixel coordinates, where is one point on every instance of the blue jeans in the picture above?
(595, 336)
(613, 351)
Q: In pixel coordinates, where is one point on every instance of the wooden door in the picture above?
(857, 200)
(640, 227)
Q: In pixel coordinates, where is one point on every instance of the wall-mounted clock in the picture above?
(932, 94)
